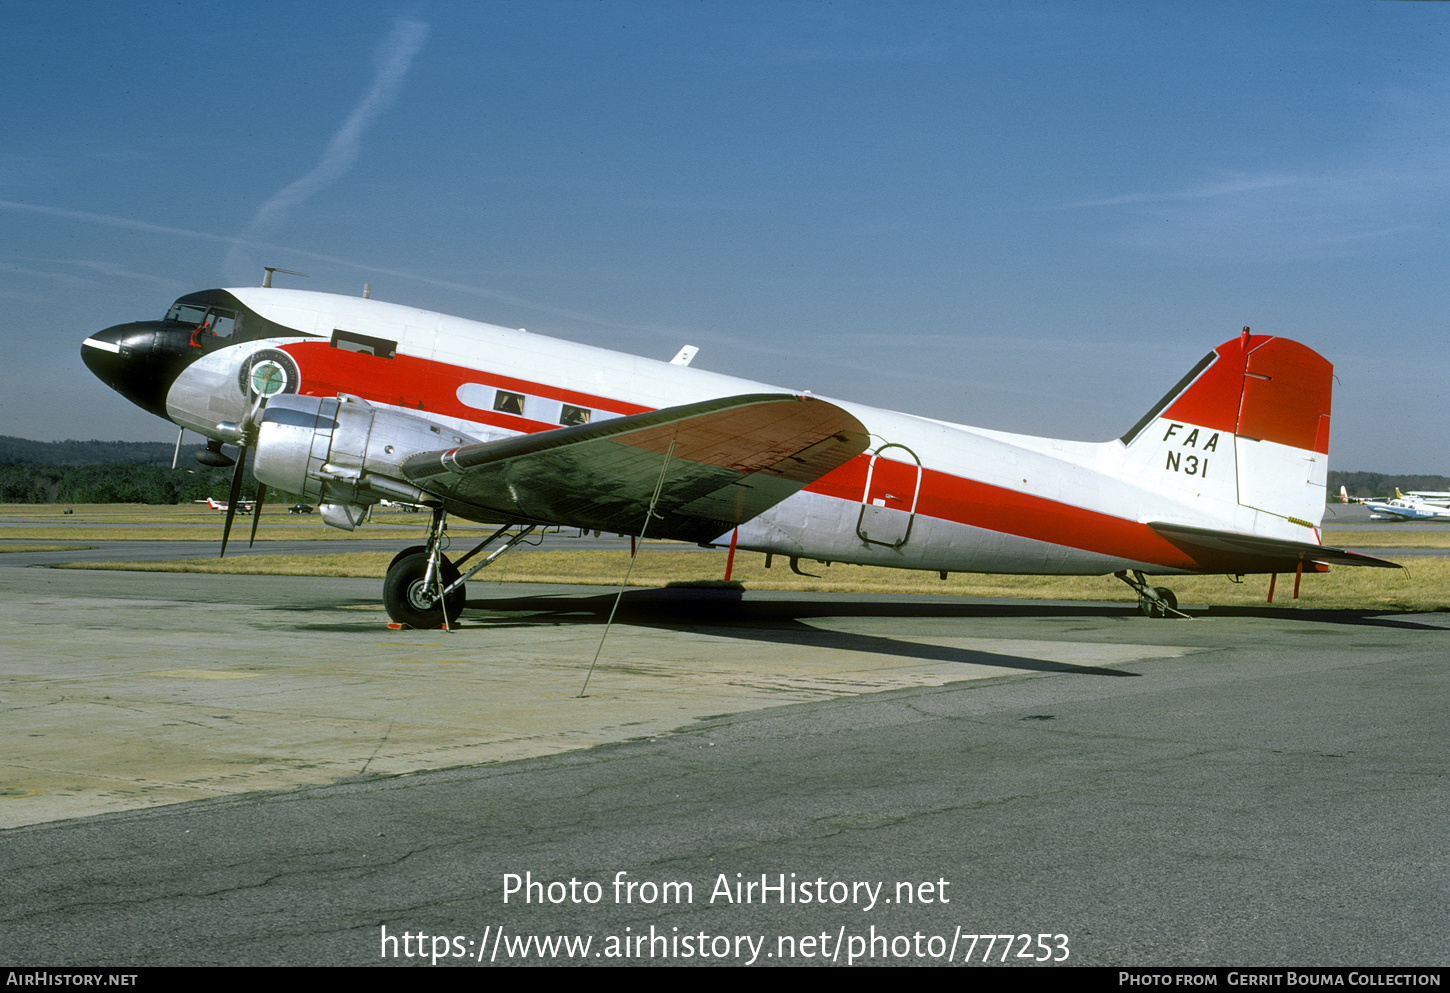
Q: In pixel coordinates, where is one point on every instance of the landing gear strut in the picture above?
(414, 600)
(1153, 601)
(422, 588)
(425, 590)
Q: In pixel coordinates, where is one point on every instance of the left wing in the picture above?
(1273, 550)
(731, 459)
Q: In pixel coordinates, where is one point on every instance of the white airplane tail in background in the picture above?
(1243, 439)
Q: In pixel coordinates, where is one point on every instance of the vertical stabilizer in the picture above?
(1248, 426)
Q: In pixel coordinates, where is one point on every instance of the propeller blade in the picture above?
(232, 500)
(257, 510)
(249, 434)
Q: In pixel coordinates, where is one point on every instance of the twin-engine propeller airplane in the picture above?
(347, 402)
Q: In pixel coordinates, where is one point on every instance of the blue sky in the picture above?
(1030, 216)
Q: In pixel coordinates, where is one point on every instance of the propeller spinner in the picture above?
(267, 379)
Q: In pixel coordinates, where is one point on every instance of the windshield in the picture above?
(206, 322)
(216, 316)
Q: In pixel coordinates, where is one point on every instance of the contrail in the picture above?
(108, 220)
(238, 244)
(394, 57)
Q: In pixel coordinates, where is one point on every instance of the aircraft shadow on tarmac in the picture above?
(723, 613)
(726, 604)
(778, 622)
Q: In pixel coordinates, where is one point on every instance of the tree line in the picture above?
(24, 482)
(1369, 484)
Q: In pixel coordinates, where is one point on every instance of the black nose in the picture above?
(139, 361)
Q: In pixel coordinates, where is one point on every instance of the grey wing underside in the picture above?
(728, 460)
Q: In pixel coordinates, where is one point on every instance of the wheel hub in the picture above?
(420, 596)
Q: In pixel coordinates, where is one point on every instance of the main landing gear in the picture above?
(413, 592)
(423, 589)
(1153, 601)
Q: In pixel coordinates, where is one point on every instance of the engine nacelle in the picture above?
(343, 453)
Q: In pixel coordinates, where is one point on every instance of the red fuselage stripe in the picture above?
(996, 508)
(432, 387)
(427, 385)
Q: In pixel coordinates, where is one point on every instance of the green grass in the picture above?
(38, 547)
(1426, 537)
(1423, 585)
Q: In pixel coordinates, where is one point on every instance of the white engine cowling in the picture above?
(343, 453)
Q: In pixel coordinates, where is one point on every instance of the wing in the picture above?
(731, 459)
(1271, 550)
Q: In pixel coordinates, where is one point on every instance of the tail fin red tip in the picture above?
(1262, 387)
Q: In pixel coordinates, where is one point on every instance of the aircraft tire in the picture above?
(409, 603)
(410, 550)
(1167, 595)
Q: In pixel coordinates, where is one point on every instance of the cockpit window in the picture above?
(207, 323)
(222, 323)
(186, 313)
(214, 316)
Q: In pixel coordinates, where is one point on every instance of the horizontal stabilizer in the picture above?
(1290, 553)
(731, 459)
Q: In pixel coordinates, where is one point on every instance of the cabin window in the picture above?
(509, 403)
(574, 416)
(351, 341)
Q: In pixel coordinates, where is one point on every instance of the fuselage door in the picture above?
(888, 505)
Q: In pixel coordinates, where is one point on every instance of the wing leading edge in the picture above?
(732, 459)
(1278, 552)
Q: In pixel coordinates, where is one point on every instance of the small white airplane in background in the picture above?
(350, 401)
(243, 506)
(1433, 497)
(1406, 507)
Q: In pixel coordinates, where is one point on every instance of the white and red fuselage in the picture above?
(1239, 447)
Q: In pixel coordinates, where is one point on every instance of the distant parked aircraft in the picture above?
(243, 506)
(1406, 508)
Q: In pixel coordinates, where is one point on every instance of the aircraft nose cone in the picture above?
(130, 359)
(110, 353)
(101, 352)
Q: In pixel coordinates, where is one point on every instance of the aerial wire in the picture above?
(649, 514)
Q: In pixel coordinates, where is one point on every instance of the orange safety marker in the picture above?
(730, 559)
(1298, 574)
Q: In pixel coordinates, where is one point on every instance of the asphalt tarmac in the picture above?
(225, 770)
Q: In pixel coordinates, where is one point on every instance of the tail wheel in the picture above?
(409, 599)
